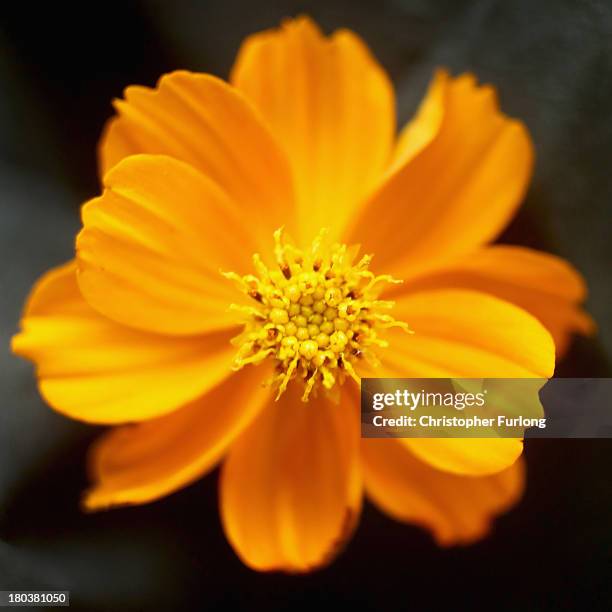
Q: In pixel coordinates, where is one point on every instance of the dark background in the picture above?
(60, 65)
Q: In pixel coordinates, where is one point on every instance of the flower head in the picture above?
(243, 269)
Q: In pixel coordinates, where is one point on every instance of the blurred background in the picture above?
(60, 66)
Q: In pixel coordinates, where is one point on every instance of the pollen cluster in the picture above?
(316, 313)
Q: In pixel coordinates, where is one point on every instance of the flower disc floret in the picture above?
(316, 313)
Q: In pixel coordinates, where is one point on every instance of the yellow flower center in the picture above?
(316, 314)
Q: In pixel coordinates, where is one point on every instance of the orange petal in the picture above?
(153, 245)
(467, 456)
(94, 370)
(456, 509)
(201, 120)
(332, 107)
(471, 335)
(459, 191)
(290, 487)
(136, 464)
(460, 333)
(424, 127)
(546, 286)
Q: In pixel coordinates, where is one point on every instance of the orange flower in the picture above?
(255, 364)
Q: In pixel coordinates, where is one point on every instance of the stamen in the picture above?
(317, 314)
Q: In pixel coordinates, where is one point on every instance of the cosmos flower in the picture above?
(261, 245)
